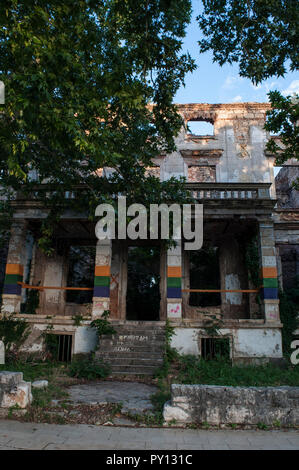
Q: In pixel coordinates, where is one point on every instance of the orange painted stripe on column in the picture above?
(269, 272)
(102, 271)
(174, 271)
(14, 269)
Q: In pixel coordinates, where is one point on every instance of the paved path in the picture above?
(16, 435)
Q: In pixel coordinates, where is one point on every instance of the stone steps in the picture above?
(134, 349)
(118, 369)
(131, 355)
(133, 361)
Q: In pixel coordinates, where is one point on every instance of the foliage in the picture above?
(283, 120)
(89, 85)
(289, 316)
(77, 319)
(52, 343)
(88, 368)
(193, 370)
(212, 325)
(170, 353)
(102, 325)
(13, 332)
(31, 368)
(261, 35)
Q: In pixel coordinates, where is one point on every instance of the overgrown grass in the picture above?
(32, 370)
(88, 368)
(51, 371)
(192, 370)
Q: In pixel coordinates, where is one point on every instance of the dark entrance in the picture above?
(143, 289)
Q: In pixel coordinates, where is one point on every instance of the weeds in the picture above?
(88, 368)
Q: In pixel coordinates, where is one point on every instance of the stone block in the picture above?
(40, 384)
(10, 379)
(176, 413)
(19, 395)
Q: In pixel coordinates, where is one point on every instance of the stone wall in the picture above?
(225, 405)
(254, 344)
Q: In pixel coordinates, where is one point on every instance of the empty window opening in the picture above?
(143, 289)
(59, 347)
(215, 348)
(204, 274)
(80, 273)
(200, 128)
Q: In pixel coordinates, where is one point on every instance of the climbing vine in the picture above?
(13, 332)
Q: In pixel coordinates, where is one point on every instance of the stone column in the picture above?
(174, 281)
(11, 299)
(101, 291)
(269, 290)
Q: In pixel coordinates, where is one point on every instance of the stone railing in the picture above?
(231, 191)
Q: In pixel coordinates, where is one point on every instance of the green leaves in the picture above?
(261, 35)
(79, 78)
(283, 120)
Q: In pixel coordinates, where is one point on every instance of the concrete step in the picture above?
(129, 354)
(125, 369)
(137, 336)
(129, 342)
(142, 350)
(133, 362)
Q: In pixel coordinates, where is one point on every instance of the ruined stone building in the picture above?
(251, 243)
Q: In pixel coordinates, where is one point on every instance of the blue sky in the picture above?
(211, 83)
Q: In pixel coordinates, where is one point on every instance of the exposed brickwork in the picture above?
(202, 174)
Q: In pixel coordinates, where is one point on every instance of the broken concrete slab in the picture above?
(134, 396)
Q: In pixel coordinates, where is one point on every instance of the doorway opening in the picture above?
(204, 274)
(143, 289)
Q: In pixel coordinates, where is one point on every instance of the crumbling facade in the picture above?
(228, 172)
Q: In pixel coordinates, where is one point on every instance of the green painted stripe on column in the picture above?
(102, 281)
(270, 282)
(174, 282)
(12, 279)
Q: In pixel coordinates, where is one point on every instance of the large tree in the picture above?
(89, 83)
(262, 36)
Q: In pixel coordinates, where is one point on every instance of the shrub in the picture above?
(88, 368)
(13, 332)
(102, 325)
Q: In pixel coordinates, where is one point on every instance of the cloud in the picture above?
(231, 81)
(292, 88)
(237, 99)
